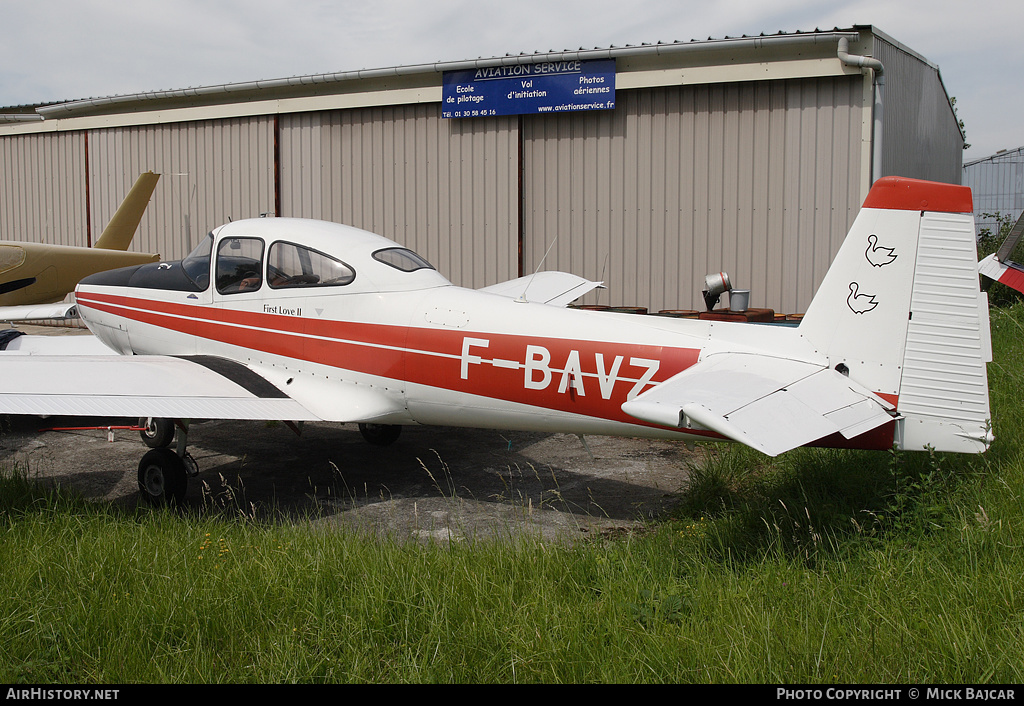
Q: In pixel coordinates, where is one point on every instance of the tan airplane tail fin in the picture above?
(119, 232)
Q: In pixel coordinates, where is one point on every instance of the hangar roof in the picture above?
(766, 56)
(1000, 156)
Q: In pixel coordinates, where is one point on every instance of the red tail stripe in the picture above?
(915, 195)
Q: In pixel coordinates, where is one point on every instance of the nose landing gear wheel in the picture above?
(380, 434)
(163, 477)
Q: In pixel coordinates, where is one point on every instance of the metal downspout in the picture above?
(865, 62)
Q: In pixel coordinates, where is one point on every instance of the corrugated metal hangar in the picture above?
(750, 155)
(997, 185)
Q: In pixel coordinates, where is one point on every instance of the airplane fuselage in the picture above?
(303, 320)
(436, 355)
(419, 350)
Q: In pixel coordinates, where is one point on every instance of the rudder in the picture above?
(900, 312)
(122, 226)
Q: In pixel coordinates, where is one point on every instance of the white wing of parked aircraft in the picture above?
(554, 288)
(999, 267)
(36, 312)
(302, 320)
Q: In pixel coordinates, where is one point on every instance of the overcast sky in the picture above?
(57, 50)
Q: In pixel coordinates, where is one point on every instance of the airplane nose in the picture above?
(120, 277)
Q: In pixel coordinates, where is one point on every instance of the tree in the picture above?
(963, 130)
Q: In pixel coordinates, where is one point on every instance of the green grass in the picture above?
(815, 567)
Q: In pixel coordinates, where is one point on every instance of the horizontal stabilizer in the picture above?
(770, 404)
(554, 288)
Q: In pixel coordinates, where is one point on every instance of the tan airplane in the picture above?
(38, 273)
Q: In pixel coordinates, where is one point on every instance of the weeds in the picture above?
(227, 498)
(818, 566)
(652, 608)
(920, 497)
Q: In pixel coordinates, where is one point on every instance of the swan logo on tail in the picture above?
(860, 303)
(877, 255)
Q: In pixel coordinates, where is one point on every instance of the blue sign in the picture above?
(516, 89)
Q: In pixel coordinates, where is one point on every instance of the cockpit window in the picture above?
(239, 265)
(402, 259)
(11, 256)
(290, 265)
(196, 264)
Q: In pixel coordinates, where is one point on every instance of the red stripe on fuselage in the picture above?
(583, 377)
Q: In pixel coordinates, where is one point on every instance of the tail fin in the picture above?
(900, 311)
(119, 232)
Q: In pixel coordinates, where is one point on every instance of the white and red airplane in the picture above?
(299, 320)
(999, 267)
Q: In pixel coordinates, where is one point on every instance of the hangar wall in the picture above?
(744, 158)
(756, 179)
(997, 184)
(675, 183)
(211, 171)
(921, 137)
(447, 189)
(42, 192)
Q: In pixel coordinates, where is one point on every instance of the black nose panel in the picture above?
(112, 278)
(157, 275)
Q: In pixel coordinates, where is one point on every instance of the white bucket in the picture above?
(739, 299)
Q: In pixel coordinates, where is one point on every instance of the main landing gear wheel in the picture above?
(163, 477)
(380, 434)
(157, 432)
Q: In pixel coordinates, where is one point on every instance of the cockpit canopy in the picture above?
(286, 253)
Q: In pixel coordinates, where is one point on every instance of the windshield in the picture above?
(196, 264)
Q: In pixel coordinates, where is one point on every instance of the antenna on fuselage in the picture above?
(522, 297)
(604, 268)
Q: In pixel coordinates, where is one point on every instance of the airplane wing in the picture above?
(77, 375)
(196, 387)
(1009, 273)
(554, 288)
(770, 404)
(13, 341)
(36, 312)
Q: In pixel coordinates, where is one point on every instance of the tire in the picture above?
(163, 478)
(158, 432)
(380, 434)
